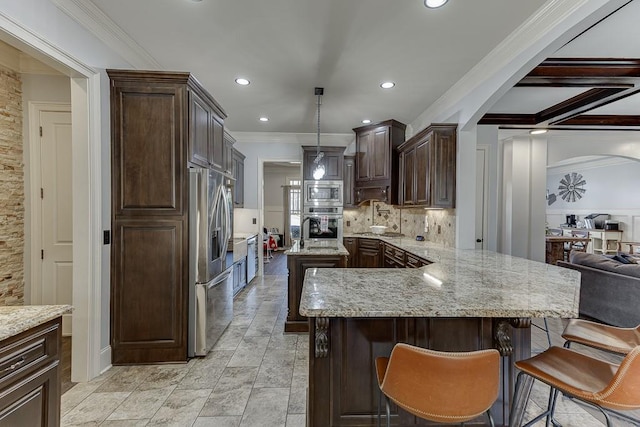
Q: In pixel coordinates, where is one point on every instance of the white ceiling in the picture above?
(288, 47)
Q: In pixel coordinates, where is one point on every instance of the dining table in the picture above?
(555, 247)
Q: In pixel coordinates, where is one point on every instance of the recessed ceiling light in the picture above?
(387, 85)
(538, 131)
(432, 4)
(264, 119)
(366, 121)
(242, 82)
(295, 163)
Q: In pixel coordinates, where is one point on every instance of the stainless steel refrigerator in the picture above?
(210, 278)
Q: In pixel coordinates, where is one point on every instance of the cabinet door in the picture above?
(351, 244)
(33, 401)
(407, 169)
(363, 155)
(443, 157)
(148, 150)
(369, 253)
(228, 154)
(238, 174)
(380, 161)
(200, 131)
(421, 174)
(149, 294)
(349, 181)
(216, 149)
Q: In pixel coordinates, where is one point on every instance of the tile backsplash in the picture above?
(408, 221)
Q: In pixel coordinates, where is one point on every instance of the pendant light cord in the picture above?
(318, 143)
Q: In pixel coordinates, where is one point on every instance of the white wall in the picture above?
(610, 188)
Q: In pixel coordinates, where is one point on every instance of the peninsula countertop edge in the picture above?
(458, 283)
(15, 319)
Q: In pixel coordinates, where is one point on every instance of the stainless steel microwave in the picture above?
(323, 193)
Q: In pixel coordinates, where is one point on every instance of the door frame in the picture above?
(35, 178)
(88, 359)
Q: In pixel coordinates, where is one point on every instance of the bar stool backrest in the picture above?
(623, 392)
(442, 386)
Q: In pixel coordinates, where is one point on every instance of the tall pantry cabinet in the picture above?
(161, 123)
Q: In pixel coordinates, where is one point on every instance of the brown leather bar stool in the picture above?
(603, 385)
(600, 336)
(439, 386)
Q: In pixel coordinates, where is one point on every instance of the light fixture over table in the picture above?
(319, 170)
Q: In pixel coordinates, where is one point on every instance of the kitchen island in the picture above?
(314, 254)
(465, 300)
(30, 345)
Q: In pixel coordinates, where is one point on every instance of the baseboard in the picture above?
(105, 359)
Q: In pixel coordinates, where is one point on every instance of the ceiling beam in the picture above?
(609, 80)
(602, 120)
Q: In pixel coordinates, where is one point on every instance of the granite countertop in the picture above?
(15, 319)
(318, 247)
(459, 283)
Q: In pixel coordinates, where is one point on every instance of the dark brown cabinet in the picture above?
(351, 244)
(332, 160)
(393, 257)
(348, 181)
(161, 123)
(369, 253)
(228, 154)
(238, 175)
(428, 168)
(376, 163)
(30, 377)
(206, 128)
(298, 265)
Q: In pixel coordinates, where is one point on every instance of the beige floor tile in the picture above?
(181, 408)
(217, 422)
(141, 404)
(267, 407)
(94, 409)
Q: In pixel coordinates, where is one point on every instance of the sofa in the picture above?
(609, 287)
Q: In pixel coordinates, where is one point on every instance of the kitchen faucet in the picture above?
(302, 231)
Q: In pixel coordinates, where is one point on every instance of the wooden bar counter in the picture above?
(466, 300)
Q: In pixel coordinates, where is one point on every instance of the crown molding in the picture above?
(105, 29)
(588, 162)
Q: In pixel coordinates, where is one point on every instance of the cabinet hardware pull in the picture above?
(16, 365)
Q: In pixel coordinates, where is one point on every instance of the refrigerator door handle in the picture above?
(220, 279)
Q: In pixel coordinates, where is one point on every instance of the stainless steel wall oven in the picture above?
(323, 222)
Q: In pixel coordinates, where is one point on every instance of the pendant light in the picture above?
(319, 170)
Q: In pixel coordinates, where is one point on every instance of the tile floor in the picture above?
(255, 376)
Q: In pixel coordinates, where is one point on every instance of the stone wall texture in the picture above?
(11, 190)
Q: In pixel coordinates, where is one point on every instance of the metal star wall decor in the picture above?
(571, 187)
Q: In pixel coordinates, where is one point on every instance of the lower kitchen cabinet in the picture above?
(239, 275)
(30, 377)
(369, 253)
(351, 244)
(298, 265)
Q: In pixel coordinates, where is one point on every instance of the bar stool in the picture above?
(439, 386)
(600, 336)
(601, 384)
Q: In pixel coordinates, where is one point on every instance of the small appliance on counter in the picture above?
(571, 220)
(596, 220)
(611, 225)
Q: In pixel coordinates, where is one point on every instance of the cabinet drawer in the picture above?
(27, 353)
(369, 244)
(415, 262)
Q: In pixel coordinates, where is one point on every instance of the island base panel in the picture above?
(343, 390)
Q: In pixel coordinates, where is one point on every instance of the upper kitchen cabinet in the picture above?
(349, 177)
(161, 124)
(332, 160)
(428, 168)
(206, 128)
(376, 164)
(228, 154)
(238, 175)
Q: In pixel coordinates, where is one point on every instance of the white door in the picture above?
(481, 194)
(56, 214)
